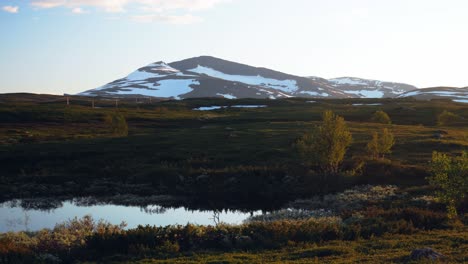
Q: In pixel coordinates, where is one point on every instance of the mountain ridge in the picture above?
(207, 76)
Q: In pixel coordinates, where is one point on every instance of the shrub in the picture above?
(450, 176)
(17, 248)
(419, 218)
(117, 124)
(73, 233)
(327, 145)
(381, 144)
(381, 117)
(352, 199)
(447, 118)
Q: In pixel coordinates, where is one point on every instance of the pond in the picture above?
(13, 217)
(217, 107)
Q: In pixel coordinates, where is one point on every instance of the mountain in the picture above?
(207, 76)
(364, 88)
(455, 94)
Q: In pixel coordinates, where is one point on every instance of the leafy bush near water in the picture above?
(85, 239)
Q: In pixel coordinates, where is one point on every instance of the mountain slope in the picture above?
(269, 80)
(207, 76)
(370, 88)
(456, 94)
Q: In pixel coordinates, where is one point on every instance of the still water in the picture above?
(15, 218)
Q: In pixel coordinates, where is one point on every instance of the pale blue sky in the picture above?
(68, 46)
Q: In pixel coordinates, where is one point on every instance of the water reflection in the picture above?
(33, 215)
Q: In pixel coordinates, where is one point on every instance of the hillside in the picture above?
(207, 76)
(459, 95)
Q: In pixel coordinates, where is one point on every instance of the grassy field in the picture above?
(51, 148)
(229, 158)
(386, 249)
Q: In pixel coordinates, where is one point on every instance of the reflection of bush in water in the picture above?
(13, 223)
(130, 200)
(43, 204)
(154, 209)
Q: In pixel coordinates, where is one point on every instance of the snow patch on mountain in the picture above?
(163, 88)
(312, 93)
(366, 93)
(162, 67)
(227, 96)
(154, 70)
(437, 93)
(288, 86)
(348, 81)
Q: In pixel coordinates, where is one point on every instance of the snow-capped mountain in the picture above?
(364, 88)
(212, 77)
(456, 94)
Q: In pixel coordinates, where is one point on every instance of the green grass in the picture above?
(387, 249)
(241, 157)
(47, 143)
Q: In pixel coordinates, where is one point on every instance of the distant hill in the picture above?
(370, 88)
(207, 76)
(455, 94)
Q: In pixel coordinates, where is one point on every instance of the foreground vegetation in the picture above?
(51, 149)
(375, 236)
(292, 154)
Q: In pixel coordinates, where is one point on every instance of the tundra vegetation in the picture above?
(448, 118)
(381, 144)
(450, 177)
(117, 124)
(326, 146)
(381, 117)
(327, 199)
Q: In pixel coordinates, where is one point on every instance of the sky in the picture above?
(69, 46)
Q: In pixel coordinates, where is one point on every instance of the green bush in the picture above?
(447, 118)
(84, 239)
(117, 124)
(327, 145)
(450, 176)
(381, 117)
(381, 144)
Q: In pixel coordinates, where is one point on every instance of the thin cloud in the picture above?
(78, 11)
(142, 11)
(11, 9)
(108, 6)
(178, 20)
(48, 3)
(120, 5)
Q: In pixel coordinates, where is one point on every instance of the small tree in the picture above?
(381, 117)
(447, 118)
(381, 144)
(373, 146)
(327, 145)
(117, 124)
(450, 176)
(387, 140)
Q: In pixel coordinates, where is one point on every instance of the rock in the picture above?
(425, 253)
